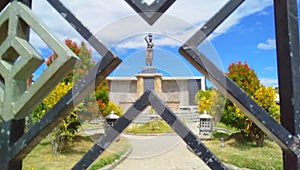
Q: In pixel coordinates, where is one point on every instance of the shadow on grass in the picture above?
(90, 138)
(237, 140)
(240, 141)
(71, 150)
(218, 135)
(44, 143)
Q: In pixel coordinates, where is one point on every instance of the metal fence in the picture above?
(15, 144)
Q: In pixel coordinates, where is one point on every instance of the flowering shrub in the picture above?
(113, 107)
(211, 101)
(203, 98)
(246, 78)
(65, 132)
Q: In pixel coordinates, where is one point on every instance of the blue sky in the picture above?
(251, 41)
(248, 35)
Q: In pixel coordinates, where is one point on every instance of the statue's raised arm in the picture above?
(149, 50)
(146, 40)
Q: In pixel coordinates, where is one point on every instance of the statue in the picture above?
(149, 50)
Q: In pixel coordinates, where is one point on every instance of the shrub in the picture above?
(246, 78)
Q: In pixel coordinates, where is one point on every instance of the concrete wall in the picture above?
(175, 91)
(123, 92)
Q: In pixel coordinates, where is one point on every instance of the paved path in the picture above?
(166, 152)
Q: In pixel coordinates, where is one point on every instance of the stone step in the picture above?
(188, 117)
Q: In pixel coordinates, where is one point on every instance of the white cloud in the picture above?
(246, 9)
(269, 45)
(269, 68)
(116, 21)
(264, 13)
(269, 82)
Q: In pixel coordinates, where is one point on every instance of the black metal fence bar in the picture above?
(150, 13)
(214, 22)
(288, 59)
(54, 116)
(256, 113)
(113, 132)
(81, 29)
(149, 98)
(3, 3)
(15, 145)
(185, 133)
(12, 130)
(206, 67)
(80, 90)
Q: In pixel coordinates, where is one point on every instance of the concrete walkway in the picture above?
(166, 152)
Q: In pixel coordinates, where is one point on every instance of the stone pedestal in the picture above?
(140, 85)
(149, 79)
(158, 84)
(149, 70)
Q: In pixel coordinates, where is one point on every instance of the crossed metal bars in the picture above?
(150, 98)
(286, 136)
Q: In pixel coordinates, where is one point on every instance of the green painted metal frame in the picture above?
(17, 145)
(19, 101)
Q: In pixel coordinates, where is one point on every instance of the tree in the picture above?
(265, 97)
(203, 98)
(211, 101)
(65, 131)
(246, 78)
(82, 66)
(115, 108)
(217, 105)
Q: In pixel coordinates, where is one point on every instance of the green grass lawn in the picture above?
(246, 154)
(222, 125)
(154, 126)
(237, 151)
(87, 125)
(42, 158)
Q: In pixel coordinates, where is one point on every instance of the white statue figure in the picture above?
(149, 50)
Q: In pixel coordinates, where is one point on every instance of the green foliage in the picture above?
(82, 66)
(233, 118)
(246, 78)
(202, 93)
(65, 131)
(217, 105)
(265, 97)
(39, 112)
(203, 98)
(114, 107)
(211, 101)
(102, 97)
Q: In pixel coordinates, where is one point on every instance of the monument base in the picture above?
(149, 70)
